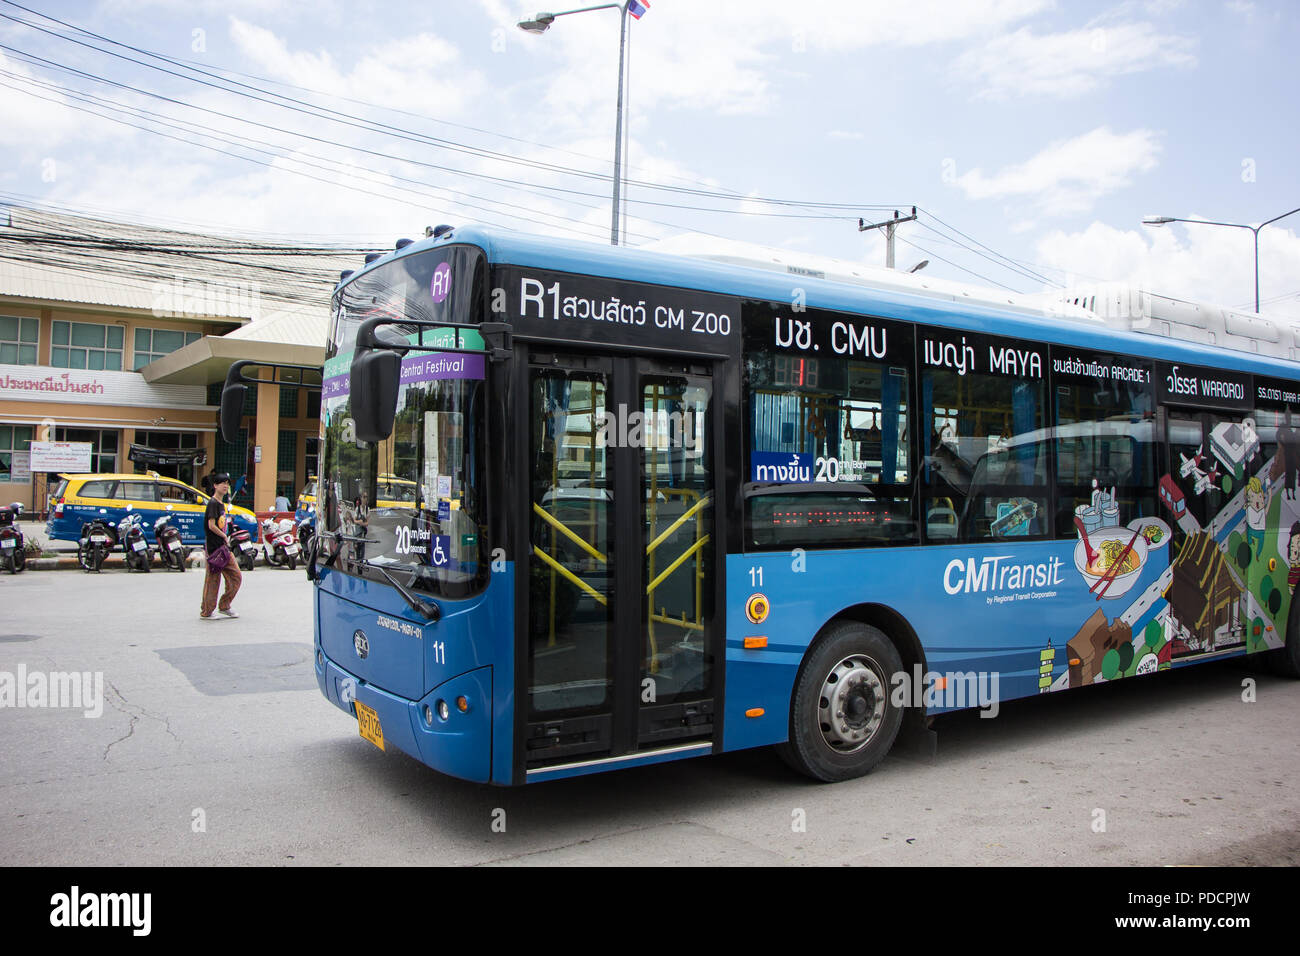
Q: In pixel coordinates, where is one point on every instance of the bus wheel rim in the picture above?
(852, 704)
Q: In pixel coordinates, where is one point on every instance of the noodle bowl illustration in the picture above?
(1109, 543)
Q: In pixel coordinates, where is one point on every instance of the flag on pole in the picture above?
(637, 8)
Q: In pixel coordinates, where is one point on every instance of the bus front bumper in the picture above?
(459, 745)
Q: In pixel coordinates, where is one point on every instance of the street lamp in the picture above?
(540, 24)
(1163, 220)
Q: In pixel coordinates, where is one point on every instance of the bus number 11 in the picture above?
(756, 577)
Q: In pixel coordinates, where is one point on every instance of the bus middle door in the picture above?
(622, 647)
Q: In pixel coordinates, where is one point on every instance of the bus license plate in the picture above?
(368, 724)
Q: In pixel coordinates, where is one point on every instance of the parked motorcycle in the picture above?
(306, 530)
(171, 550)
(12, 556)
(98, 539)
(242, 547)
(130, 530)
(279, 543)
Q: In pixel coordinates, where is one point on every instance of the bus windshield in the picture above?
(412, 504)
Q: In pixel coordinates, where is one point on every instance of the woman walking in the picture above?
(221, 563)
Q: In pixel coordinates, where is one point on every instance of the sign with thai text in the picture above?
(69, 456)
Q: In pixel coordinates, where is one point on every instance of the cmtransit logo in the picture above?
(995, 573)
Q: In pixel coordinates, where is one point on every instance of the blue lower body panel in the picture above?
(460, 746)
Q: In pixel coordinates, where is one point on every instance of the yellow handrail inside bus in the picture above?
(686, 516)
(685, 555)
(565, 572)
(568, 533)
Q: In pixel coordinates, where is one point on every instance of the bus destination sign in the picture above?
(607, 310)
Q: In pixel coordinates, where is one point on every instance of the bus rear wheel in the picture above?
(842, 718)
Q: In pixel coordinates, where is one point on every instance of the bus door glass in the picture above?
(621, 542)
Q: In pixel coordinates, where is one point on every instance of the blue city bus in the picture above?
(666, 507)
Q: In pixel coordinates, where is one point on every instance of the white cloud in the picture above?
(381, 74)
(38, 119)
(1068, 176)
(1068, 64)
(721, 58)
(1200, 263)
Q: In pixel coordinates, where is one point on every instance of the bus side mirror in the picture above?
(373, 385)
(232, 408)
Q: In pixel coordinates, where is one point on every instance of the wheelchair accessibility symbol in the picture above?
(440, 550)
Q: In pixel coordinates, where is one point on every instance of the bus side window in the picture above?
(1106, 452)
(985, 455)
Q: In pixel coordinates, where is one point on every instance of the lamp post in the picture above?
(540, 24)
(1162, 220)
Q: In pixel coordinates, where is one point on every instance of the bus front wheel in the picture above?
(842, 718)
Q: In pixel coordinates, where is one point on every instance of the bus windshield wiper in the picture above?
(430, 611)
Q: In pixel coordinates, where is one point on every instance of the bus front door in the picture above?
(622, 649)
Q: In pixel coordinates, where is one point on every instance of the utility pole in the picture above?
(889, 226)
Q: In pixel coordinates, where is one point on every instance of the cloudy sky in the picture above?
(1032, 135)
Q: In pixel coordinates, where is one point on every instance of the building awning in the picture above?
(207, 360)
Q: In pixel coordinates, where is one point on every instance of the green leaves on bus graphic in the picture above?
(1125, 657)
(1110, 664)
(1243, 554)
(1275, 602)
(1155, 636)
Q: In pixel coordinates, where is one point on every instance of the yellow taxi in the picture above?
(306, 506)
(81, 498)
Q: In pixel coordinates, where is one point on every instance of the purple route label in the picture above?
(417, 368)
(441, 284)
(334, 387)
(427, 368)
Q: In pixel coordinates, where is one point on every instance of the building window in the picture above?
(83, 345)
(313, 404)
(310, 456)
(14, 439)
(287, 452)
(288, 401)
(18, 338)
(170, 441)
(151, 344)
(232, 458)
(103, 445)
